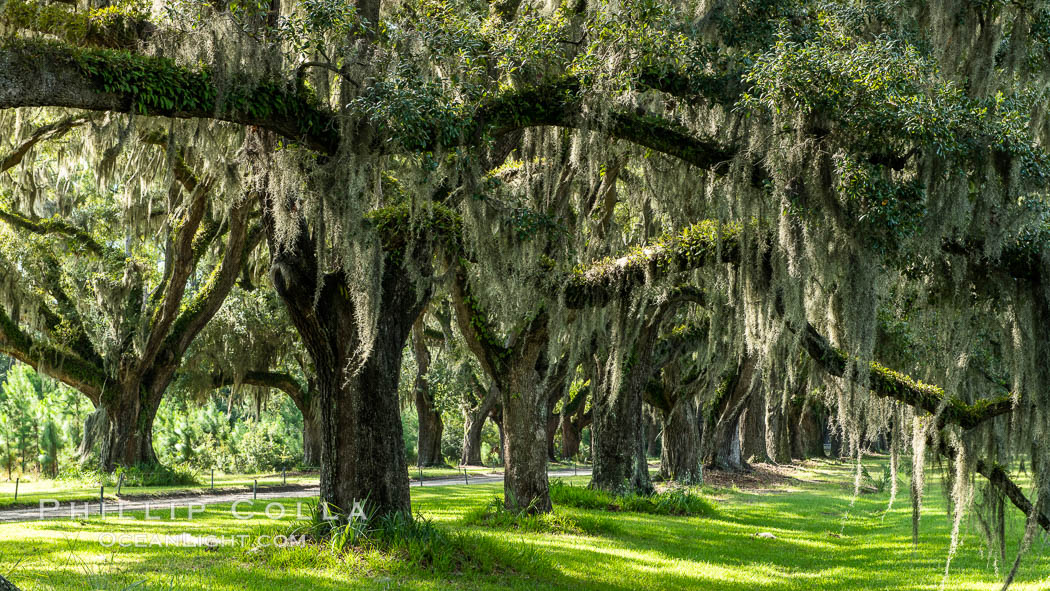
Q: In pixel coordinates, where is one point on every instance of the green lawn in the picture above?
(822, 543)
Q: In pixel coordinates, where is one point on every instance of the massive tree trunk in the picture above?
(618, 445)
(721, 440)
(521, 372)
(753, 429)
(430, 424)
(525, 486)
(362, 451)
(128, 438)
(681, 443)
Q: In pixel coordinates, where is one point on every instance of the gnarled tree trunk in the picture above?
(681, 443)
(753, 434)
(362, 450)
(525, 486)
(618, 438)
(128, 437)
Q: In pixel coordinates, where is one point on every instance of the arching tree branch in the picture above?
(49, 360)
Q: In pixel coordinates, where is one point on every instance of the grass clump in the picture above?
(401, 537)
(497, 514)
(678, 501)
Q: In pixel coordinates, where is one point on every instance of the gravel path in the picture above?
(161, 505)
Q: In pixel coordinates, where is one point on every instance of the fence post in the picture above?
(120, 483)
(16, 487)
(420, 475)
(465, 480)
(255, 490)
(284, 476)
(213, 478)
(102, 501)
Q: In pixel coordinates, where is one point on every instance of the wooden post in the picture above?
(102, 501)
(213, 478)
(284, 476)
(16, 487)
(421, 476)
(255, 490)
(120, 483)
(465, 480)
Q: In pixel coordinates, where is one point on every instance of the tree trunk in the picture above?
(474, 425)
(574, 418)
(570, 438)
(807, 438)
(430, 424)
(312, 437)
(778, 432)
(721, 440)
(525, 486)
(753, 432)
(552, 429)
(653, 434)
(128, 438)
(362, 450)
(6, 585)
(619, 448)
(681, 443)
(835, 440)
(95, 428)
(430, 430)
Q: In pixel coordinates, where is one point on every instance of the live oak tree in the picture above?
(101, 317)
(819, 138)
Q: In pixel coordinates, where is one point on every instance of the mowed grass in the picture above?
(822, 542)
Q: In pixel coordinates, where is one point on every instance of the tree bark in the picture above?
(128, 438)
(474, 424)
(574, 418)
(778, 432)
(721, 441)
(525, 486)
(362, 450)
(653, 434)
(520, 371)
(618, 438)
(807, 439)
(312, 437)
(753, 434)
(681, 443)
(430, 424)
(6, 585)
